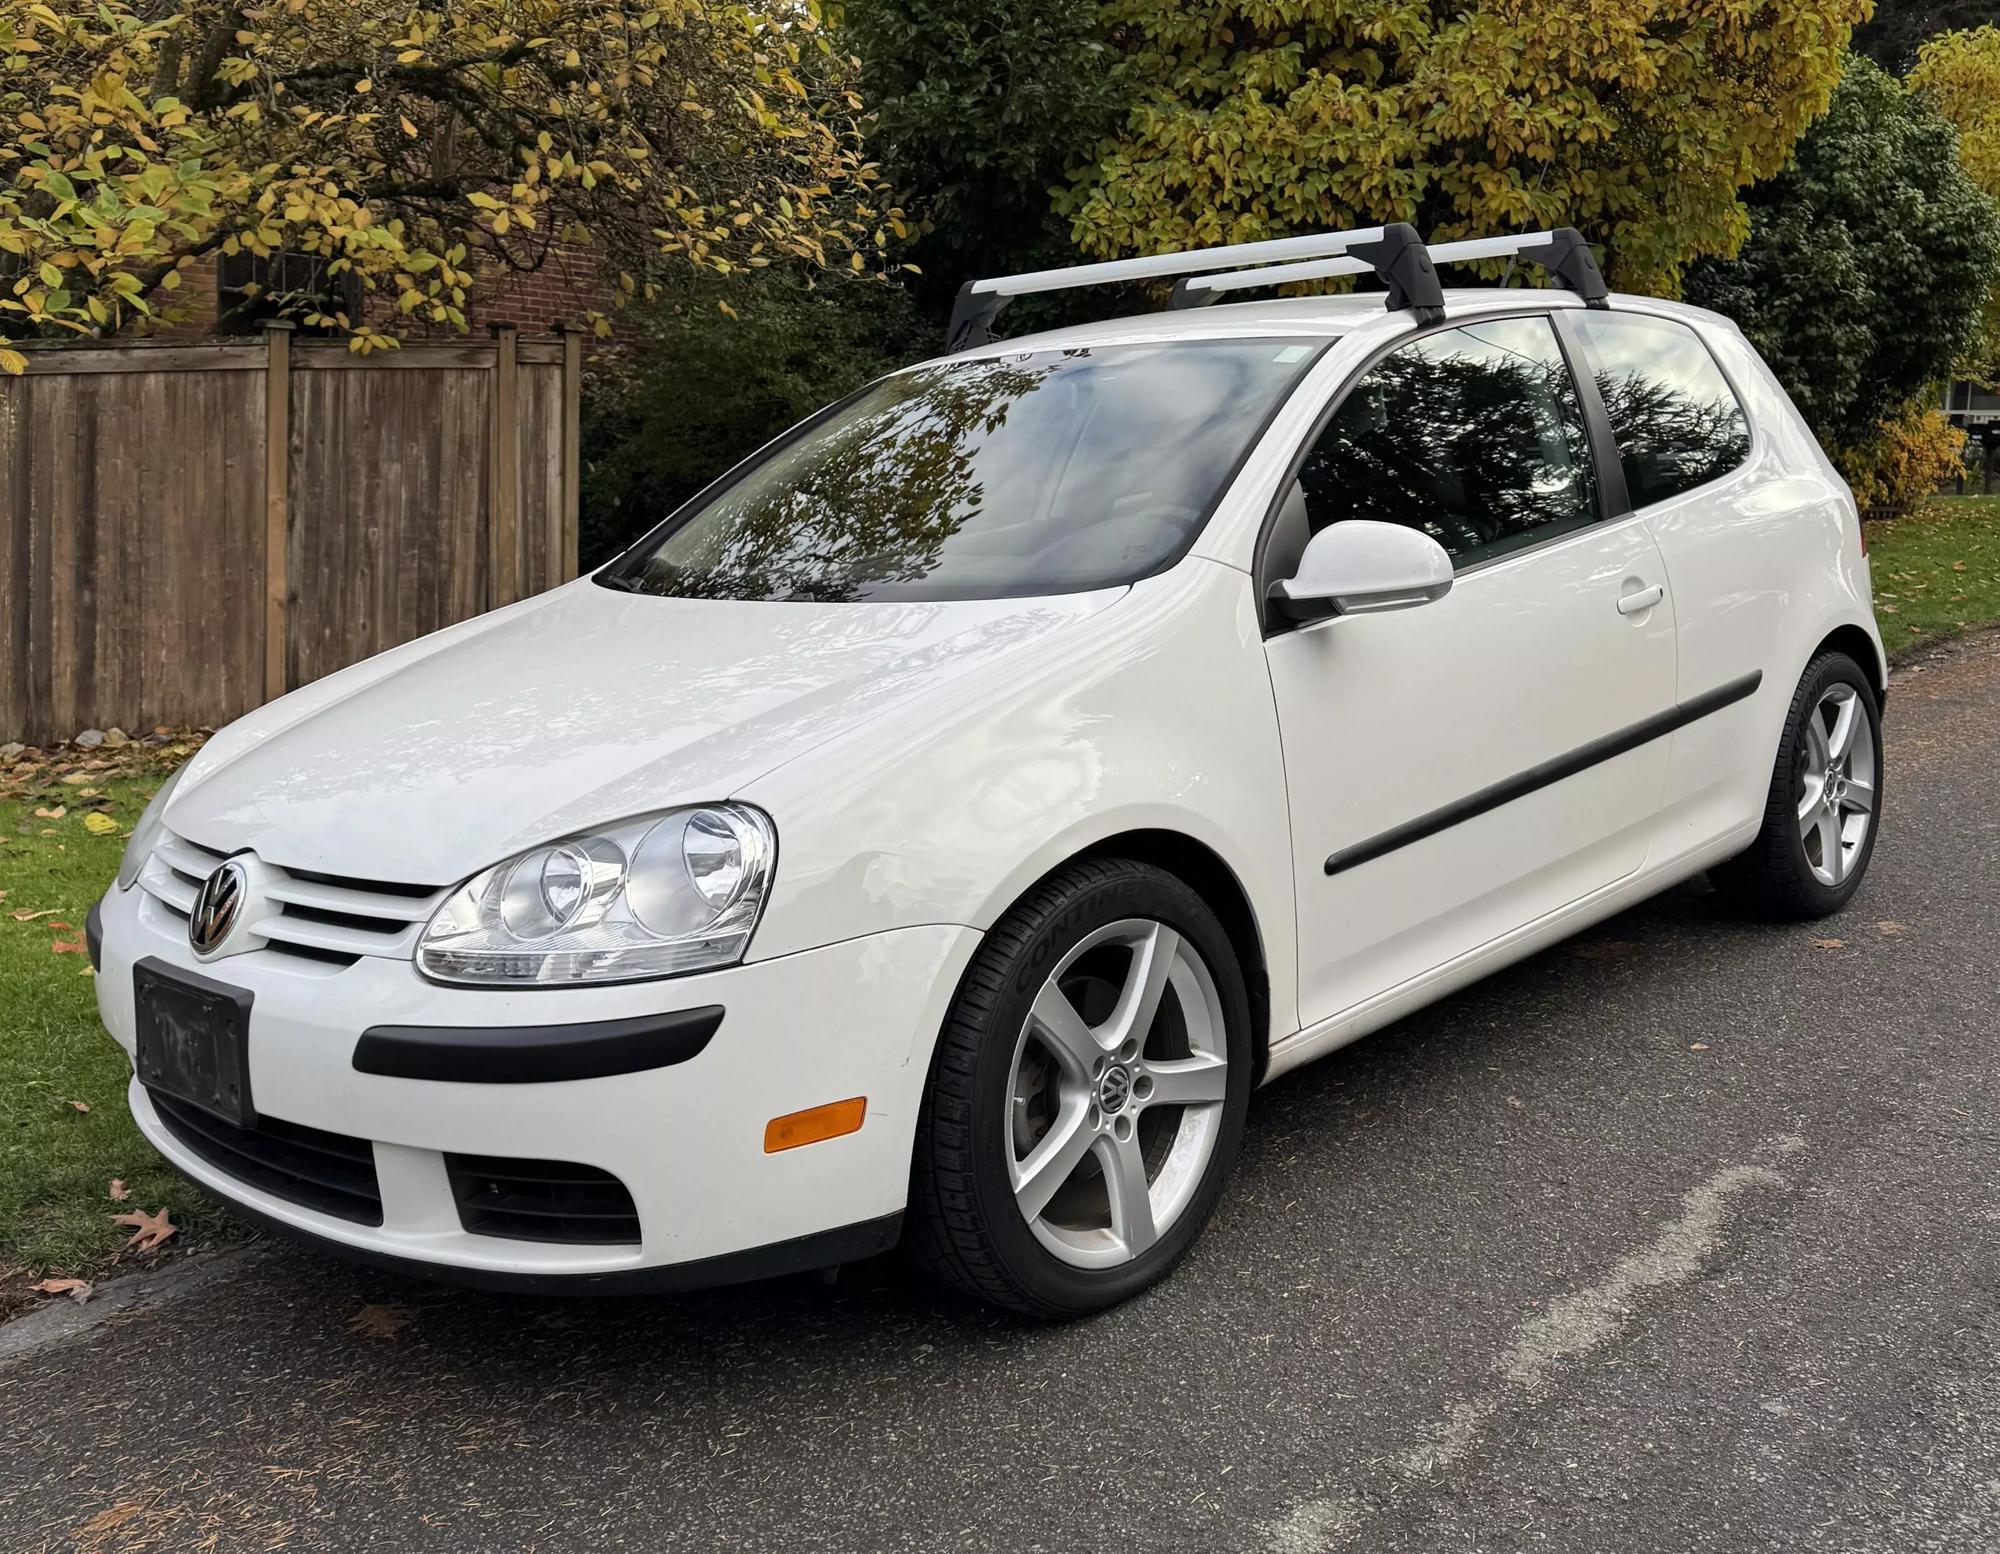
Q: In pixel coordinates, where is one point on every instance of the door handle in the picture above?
(1640, 599)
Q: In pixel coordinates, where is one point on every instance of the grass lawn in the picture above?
(1937, 572)
(65, 1133)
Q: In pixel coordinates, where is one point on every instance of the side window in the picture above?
(1473, 435)
(1676, 419)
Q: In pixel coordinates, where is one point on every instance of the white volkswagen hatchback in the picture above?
(937, 828)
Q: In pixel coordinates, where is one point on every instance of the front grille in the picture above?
(329, 1172)
(541, 1200)
(320, 917)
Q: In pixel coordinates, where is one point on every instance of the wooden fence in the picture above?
(189, 530)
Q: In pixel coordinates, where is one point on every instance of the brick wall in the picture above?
(570, 284)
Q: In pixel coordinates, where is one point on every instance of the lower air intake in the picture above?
(542, 1200)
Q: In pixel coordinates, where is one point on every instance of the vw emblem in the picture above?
(217, 905)
(1114, 1089)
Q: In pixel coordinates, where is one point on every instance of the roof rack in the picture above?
(1562, 252)
(1394, 253)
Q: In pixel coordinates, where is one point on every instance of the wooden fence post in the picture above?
(277, 502)
(504, 554)
(563, 563)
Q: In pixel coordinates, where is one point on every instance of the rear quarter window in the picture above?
(1677, 422)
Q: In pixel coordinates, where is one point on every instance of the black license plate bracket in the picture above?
(193, 1039)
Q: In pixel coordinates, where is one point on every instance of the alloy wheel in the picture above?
(1116, 1093)
(1836, 784)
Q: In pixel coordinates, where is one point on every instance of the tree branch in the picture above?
(201, 79)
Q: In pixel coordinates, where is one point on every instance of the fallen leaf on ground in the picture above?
(82, 1106)
(52, 814)
(1886, 929)
(118, 1190)
(148, 1230)
(373, 1321)
(99, 824)
(76, 1289)
(1829, 944)
(1697, 1046)
(110, 1518)
(23, 915)
(74, 946)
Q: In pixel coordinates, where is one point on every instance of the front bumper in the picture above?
(686, 1140)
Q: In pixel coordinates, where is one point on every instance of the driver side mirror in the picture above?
(1362, 567)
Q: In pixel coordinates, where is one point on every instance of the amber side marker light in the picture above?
(814, 1123)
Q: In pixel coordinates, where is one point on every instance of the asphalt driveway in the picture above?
(1678, 1237)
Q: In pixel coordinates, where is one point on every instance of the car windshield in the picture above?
(1038, 473)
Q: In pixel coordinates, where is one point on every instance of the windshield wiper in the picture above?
(617, 580)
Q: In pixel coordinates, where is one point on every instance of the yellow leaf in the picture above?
(97, 823)
(13, 363)
(364, 85)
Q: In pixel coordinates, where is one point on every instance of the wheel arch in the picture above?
(1210, 876)
(1856, 643)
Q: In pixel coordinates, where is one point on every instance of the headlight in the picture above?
(139, 846)
(652, 897)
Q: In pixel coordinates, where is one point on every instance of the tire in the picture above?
(1785, 874)
(1015, 1082)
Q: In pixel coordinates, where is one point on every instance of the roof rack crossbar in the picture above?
(1563, 253)
(1196, 291)
(1394, 252)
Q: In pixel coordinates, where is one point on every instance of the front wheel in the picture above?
(1087, 1097)
(1824, 802)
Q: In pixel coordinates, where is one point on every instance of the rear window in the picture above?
(1676, 419)
(1036, 473)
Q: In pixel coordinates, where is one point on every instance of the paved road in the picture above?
(1681, 1237)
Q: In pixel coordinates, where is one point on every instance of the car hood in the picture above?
(582, 706)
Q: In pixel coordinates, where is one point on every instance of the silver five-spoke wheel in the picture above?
(1116, 1092)
(1836, 784)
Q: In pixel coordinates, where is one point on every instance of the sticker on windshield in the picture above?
(1293, 353)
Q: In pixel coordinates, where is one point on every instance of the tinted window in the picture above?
(1677, 422)
(1473, 435)
(1043, 472)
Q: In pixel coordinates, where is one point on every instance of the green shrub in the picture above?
(1865, 275)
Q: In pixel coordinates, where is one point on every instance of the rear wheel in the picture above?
(1088, 1095)
(1826, 793)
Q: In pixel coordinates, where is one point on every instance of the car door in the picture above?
(1461, 768)
(1745, 540)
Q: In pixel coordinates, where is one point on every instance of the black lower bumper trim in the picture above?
(536, 1054)
(93, 935)
(823, 1249)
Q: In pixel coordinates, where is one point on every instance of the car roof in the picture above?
(1323, 316)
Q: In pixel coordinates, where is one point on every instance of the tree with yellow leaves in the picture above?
(1636, 120)
(1959, 72)
(408, 150)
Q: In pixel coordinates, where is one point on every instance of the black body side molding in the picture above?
(536, 1054)
(1536, 777)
